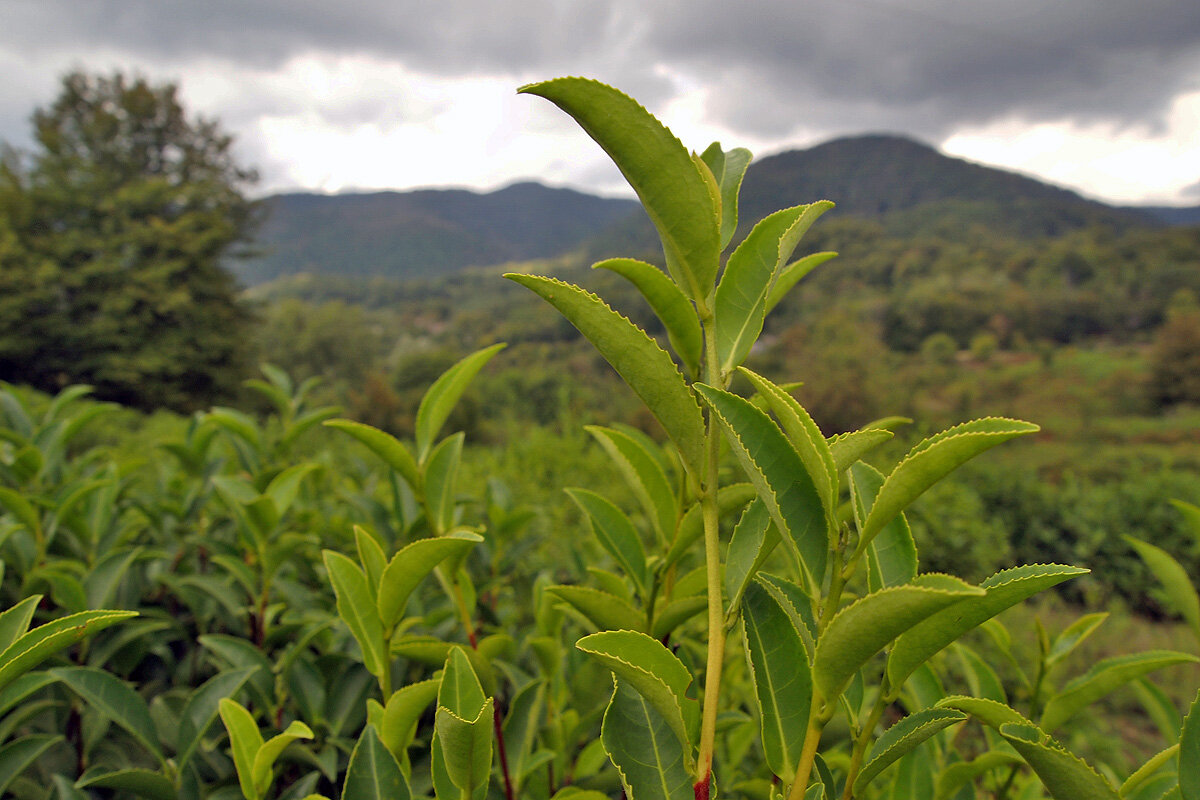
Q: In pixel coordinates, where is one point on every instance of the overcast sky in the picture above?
(1102, 96)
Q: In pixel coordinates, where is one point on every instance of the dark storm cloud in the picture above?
(771, 66)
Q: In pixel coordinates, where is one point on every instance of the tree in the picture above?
(112, 236)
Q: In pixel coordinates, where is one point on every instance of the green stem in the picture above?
(860, 744)
(807, 755)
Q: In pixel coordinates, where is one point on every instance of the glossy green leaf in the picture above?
(990, 712)
(17, 755)
(245, 740)
(238, 423)
(402, 711)
(1149, 770)
(669, 304)
(645, 475)
(14, 622)
(1189, 753)
(1003, 590)
(636, 357)
(741, 298)
(953, 777)
(463, 724)
(22, 509)
(902, 738)
(780, 477)
(371, 557)
(284, 487)
(865, 627)
(444, 394)
(1176, 582)
(796, 603)
(981, 678)
(792, 274)
(201, 709)
(1103, 678)
(113, 698)
(615, 533)
(892, 554)
(605, 611)
(373, 772)
(356, 606)
(781, 676)
(35, 646)
(137, 782)
(645, 665)
(1160, 708)
(388, 447)
(441, 482)
(411, 564)
(675, 193)
(269, 752)
(1065, 775)
(102, 581)
(1071, 637)
(730, 498)
(521, 727)
(728, 169)
(641, 744)
(934, 458)
(753, 538)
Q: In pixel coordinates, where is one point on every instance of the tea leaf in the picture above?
(670, 616)
(358, 610)
(1148, 770)
(114, 699)
(264, 759)
(22, 509)
(17, 755)
(728, 169)
(615, 533)
(245, 741)
(655, 672)
(441, 477)
(1065, 775)
(753, 539)
(902, 738)
(1004, 590)
(201, 711)
(636, 357)
(780, 673)
(140, 782)
(402, 711)
(641, 744)
(669, 304)
(1102, 678)
(644, 474)
(411, 564)
(792, 274)
(1177, 584)
(675, 193)
(373, 773)
(956, 775)
(1072, 635)
(14, 622)
(444, 394)
(463, 724)
(521, 727)
(779, 476)
(691, 525)
(990, 712)
(1189, 753)
(388, 447)
(35, 646)
(892, 554)
(865, 627)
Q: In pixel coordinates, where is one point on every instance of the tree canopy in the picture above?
(112, 237)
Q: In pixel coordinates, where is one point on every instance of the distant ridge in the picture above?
(908, 187)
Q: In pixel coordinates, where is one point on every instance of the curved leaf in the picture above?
(1177, 584)
(1102, 678)
(388, 447)
(615, 533)
(992, 713)
(669, 616)
(754, 537)
(411, 564)
(22, 509)
(691, 526)
(373, 772)
(402, 711)
(1189, 753)
(444, 394)
(643, 365)
(17, 755)
(1065, 775)
(865, 627)
(201, 711)
(780, 477)
(655, 673)
(902, 738)
(441, 480)
(648, 755)
(934, 458)
(669, 304)
(1148, 770)
(892, 554)
(1003, 590)
(245, 740)
(956, 775)
(357, 608)
(35, 646)
(14, 622)
(728, 170)
(264, 759)
(781, 676)
(676, 195)
(139, 782)
(645, 475)
(114, 699)
(792, 274)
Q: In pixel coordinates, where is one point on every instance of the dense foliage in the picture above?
(111, 244)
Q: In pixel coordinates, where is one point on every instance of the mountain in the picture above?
(423, 233)
(907, 187)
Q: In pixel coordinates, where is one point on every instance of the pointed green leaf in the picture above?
(792, 274)
(17, 755)
(604, 610)
(463, 723)
(865, 627)
(902, 738)
(1102, 678)
(1148, 770)
(615, 533)
(373, 773)
(669, 304)
(728, 169)
(669, 616)
(956, 775)
(753, 539)
(636, 357)
(675, 193)
(780, 477)
(114, 699)
(1003, 590)
(781, 676)
(357, 608)
(137, 782)
(1072, 636)
(102, 581)
(521, 727)
(990, 712)
(22, 509)
(284, 487)
(934, 458)
(892, 554)
(444, 394)
(372, 558)
(647, 753)
(691, 526)
(35, 646)
(411, 564)
(1065, 775)
(402, 711)
(238, 423)
(14, 622)
(981, 678)
(441, 480)
(797, 604)
(645, 475)
(201, 711)
(388, 447)
(1191, 513)
(741, 298)
(1181, 594)
(1189, 753)
(1160, 708)
(245, 740)
(269, 752)
(648, 667)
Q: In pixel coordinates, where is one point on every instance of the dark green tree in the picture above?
(112, 237)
